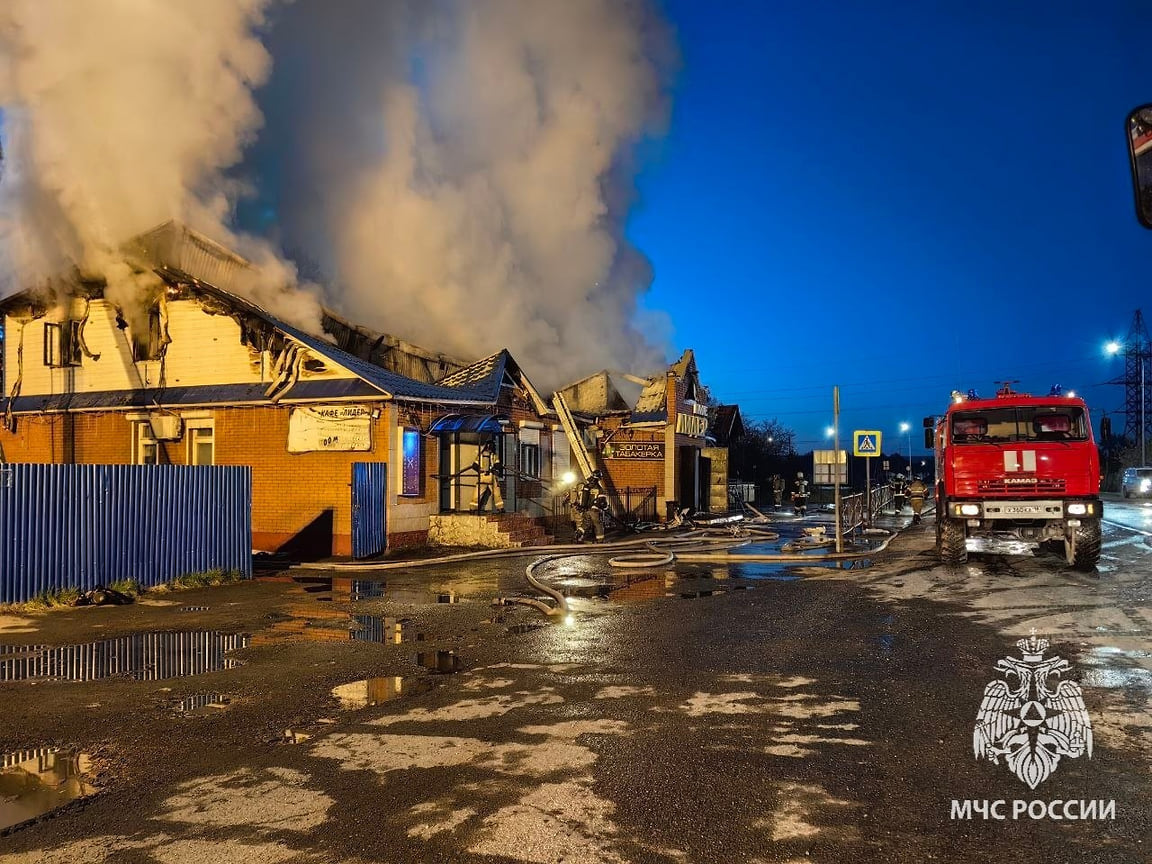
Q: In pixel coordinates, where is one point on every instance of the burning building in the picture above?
(358, 442)
(199, 375)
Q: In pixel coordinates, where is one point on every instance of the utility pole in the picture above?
(836, 463)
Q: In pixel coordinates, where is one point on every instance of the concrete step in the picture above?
(525, 534)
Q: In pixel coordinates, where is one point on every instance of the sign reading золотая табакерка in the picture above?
(634, 450)
(329, 427)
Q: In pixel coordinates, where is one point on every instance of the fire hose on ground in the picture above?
(699, 546)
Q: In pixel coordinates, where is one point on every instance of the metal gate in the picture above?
(369, 485)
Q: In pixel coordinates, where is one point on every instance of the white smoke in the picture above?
(461, 170)
(458, 170)
(120, 115)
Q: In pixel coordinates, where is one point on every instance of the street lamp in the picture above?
(907, 429)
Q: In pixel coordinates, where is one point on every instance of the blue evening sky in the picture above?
(899, 198)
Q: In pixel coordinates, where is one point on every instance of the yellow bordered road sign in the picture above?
(865, 442)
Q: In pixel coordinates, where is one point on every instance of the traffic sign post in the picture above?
(866, 443)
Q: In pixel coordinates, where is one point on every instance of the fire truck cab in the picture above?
(1020, 467)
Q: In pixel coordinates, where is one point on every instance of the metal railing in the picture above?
(628, 505)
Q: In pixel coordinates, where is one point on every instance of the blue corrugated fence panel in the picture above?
(86, 525)
(369, 485)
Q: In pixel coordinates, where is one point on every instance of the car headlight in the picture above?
(1145, 485)
(969, 509)
(1077, 509)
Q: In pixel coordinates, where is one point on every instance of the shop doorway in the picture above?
(460, 438)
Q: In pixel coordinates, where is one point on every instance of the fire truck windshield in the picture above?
(1020, 423)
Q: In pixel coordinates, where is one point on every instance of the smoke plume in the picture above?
(460, 171)
(118, 116)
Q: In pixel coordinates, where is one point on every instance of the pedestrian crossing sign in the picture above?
(865, 442)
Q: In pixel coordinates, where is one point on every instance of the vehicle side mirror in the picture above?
(929, 422)
(929, 439)
(1140, 158)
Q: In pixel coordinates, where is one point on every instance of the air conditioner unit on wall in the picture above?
(166, 427)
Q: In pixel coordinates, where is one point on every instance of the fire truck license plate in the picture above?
(1029, 510)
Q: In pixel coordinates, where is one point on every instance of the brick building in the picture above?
(197, 375)
(657, 441)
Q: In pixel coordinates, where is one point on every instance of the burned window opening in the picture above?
(62, 344)
(150, 342)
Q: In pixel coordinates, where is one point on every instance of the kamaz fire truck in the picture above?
(1020, 467)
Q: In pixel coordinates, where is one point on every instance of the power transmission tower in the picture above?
(1137, 367)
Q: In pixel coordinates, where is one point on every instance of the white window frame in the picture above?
(190, 427)
(142, 437)
(530, 460)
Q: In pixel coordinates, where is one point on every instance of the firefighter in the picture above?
(489, 472)
(800, 495)
(588, 504)
(898, 493)
(917, 492)
(778, 490)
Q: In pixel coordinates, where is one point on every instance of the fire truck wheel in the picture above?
(1087, 551)
(951, 542)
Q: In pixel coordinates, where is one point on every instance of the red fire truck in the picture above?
(1017, 466)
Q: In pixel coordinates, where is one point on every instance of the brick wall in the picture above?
(299, 500)
(293, 492)
(635, 473)
(99, 438)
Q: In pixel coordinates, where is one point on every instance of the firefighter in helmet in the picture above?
(800, 495)
(588, 504)
(489, 472)
(917, 492)
(778, 490)
(898, 492)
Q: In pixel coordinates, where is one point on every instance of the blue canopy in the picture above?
(467, 423)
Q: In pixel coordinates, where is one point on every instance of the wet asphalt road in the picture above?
(743, 713)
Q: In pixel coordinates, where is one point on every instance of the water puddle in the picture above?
(369, 691)
(35, 782)
(143, 656)
(373, 628)
(518, 629)
(440, 662)
(366, 590)
(202, 703)
(361, 589)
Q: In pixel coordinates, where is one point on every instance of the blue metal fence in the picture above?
(86, 525)
(369, 485)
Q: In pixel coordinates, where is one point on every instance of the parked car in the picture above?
(1137, 481)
